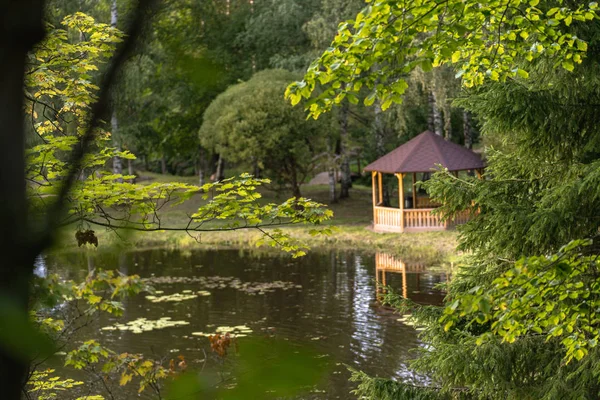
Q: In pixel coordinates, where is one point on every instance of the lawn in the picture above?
(352, 221)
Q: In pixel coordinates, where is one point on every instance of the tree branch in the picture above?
(99, 109)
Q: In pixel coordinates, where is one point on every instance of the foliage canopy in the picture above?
(487, 40)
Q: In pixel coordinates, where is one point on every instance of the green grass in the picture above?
(352, 219)
(356, 210)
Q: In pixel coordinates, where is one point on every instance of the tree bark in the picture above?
(21, 29)
(380, 133)
(130, 170)
(201, 175)
(379, 128)
(468, 129)
(163, 164)
(447, 122)
(200, 167)
(331, 167)
(435, 116)
(293, 174)
(220, 174)
(256, 168)
(332, 185)
(117, 162)
(346, 183)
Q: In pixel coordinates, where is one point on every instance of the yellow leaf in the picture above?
(124, 379)
(456, 56)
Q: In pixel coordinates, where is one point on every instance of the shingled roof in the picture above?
(423, 152)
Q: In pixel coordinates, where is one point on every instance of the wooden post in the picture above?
(414, 190)
(478, 172)
(404, 282)
(401, 198)
(373, 177)
(380, 188)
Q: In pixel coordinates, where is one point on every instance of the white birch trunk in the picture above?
(117, 162)
(435, 117)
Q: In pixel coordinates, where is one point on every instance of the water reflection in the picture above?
(418, 281)
(331, 305)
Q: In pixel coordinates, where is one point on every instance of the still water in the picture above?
(326, 301)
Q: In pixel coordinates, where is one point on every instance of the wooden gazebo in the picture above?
(419, 156)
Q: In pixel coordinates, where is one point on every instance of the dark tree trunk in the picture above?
(163, 164)
(346, 182)
(256, 168)
(430, 118)
(220, 174)
(200, 173)
(201, 176)
(294, 180)
(379, 128)
(331, 167)
(200, 166)
(380, 133)
(20, 30)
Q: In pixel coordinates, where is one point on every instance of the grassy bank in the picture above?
(352, 219)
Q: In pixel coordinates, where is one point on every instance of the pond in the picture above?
(325, 301)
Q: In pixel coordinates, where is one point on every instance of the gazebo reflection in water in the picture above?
(417, 281)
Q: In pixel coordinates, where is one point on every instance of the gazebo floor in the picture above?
(387, 219)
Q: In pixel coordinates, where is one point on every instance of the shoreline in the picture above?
(426, 247)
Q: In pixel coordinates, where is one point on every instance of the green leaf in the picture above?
(448, 325)
(568, 65)
(370, 99)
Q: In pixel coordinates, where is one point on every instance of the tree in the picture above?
(251, 122)
(484, 41)
(320, 29)
(520, 318)
(65, 179)
(273, 34)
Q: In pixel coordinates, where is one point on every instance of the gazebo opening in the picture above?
(410, 208)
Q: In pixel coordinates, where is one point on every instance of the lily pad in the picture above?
(225, 282)
(234, 331)
(145, 325)
(175, 297)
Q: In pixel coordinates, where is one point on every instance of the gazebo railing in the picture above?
(422, 218)
(387, 219)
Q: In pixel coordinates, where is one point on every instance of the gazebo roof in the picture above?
(423, 152)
